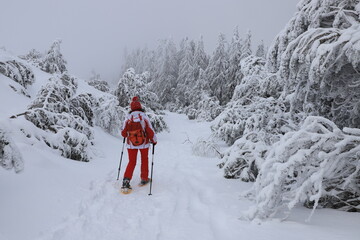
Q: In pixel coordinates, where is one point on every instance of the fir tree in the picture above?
(53, 61)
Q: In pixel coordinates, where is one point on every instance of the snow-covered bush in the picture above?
(317, 58)
(72, 144)
(318, 163)
(58, 110)
(99, 84)
(109, 115)
(10, 156)
(208, 108)
(53, 61)
(34, 57)
(263, 114)
(18, 72)
(245, 156)
(206, 148)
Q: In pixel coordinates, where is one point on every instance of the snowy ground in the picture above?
(58, 199)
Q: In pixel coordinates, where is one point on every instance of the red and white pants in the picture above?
(132, 163)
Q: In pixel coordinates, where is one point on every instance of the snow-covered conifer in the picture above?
(318, 163)
(186, 78)
(317, 58)
(261, 51)
(132, 84)
(233, 75)
(246, 45)
(96, 81)
(53, 61)
(167, 69)
(57, 111)
(201, 59)
(109, 115)
(216, 71)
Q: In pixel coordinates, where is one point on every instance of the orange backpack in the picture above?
(136, 134)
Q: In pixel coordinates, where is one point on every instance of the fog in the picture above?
(95, 33)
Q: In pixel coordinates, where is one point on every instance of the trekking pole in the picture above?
(152, 169)
(122, 153)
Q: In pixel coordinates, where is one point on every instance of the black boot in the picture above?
(126, 188)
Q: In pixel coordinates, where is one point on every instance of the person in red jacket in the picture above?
(139, 133)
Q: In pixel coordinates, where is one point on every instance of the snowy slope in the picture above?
(190, 198)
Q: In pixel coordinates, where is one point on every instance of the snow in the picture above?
(55, 198)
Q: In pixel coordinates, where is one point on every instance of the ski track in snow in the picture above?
(191, 200)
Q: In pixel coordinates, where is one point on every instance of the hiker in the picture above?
(139, 134)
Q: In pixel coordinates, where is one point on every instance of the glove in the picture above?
(154, 143)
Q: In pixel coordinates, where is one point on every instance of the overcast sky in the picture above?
(96, 32)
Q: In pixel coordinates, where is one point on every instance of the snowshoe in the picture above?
(126, 188)
(144, 182)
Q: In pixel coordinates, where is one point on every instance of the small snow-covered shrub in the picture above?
(34, 57)
(208, 108)
(245, 156)
(318, 163)
(206, 148)
(72, 144)
(10, 156)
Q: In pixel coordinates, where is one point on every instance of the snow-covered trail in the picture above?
(191, 200)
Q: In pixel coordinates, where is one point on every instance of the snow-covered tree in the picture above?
(53, 61)
(167, 69)
(201, 59)
(246, 45)
(10, 156)
(132, 84)
(186, 75)
(317, 58)
(234, 75)
(109, 115)
(57, 110)
(216, 70)
(261, 51)
(96, 81)
(318, 165)
(203, 106)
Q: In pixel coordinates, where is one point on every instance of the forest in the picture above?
(289, 113)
